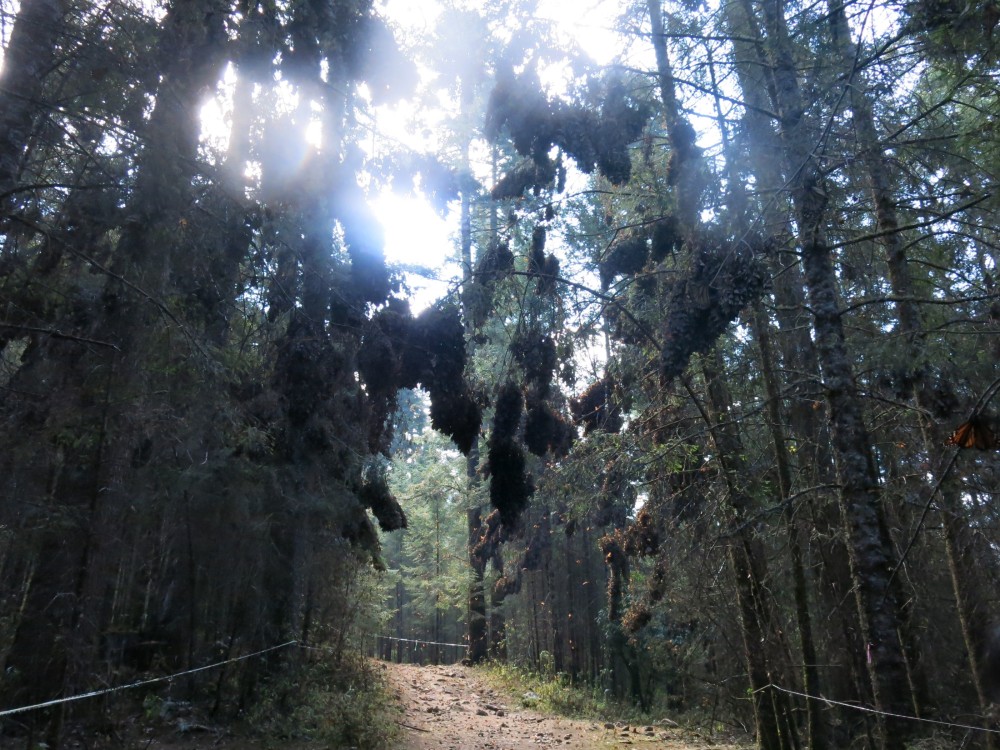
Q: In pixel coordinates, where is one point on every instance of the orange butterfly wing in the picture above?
(974, 434)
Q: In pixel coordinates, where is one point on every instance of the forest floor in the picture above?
(452, 708)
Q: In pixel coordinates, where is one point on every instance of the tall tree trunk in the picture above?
(498, 628)
(688, 168)
(142, 260)
(814, 463)
(746, 556)
(477, 623)
(815, 726)
(760, 325)
(761, 637)
(872, 558)
(971, 606)
(478, 631)
(28, 59)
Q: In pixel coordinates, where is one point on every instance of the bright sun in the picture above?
(414, 233)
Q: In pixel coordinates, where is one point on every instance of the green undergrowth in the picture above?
(336, 706)
(558, 694)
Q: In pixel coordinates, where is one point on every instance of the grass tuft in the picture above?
(558, 694)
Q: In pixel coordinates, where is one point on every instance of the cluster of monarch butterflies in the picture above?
(975, 433)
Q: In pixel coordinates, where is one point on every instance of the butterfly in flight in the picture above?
(975, 433)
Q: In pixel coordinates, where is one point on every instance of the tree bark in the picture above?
(813, 459)
(28, 59)
(478, 630)
(971, 605)
(872, 558)
(143, 256)
(815, 726)
(746, 557)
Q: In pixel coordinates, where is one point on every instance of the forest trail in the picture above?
(452, 708)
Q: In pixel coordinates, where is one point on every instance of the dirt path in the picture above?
(451, 708)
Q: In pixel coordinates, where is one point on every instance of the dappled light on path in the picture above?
(452, 708)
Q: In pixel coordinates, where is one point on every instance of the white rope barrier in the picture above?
(868, 709)
(167, 678)
(214, 665)
(131, 685)
(429, 643)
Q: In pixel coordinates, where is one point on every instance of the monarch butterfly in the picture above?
(974, 434)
